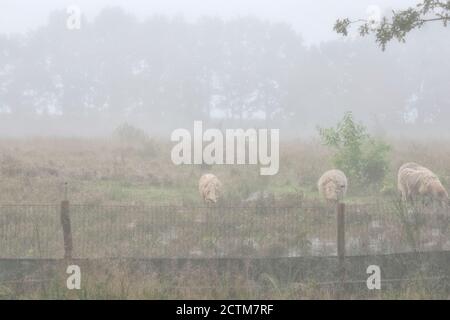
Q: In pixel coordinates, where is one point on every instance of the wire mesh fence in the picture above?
(172, 231)
(100, 231)
(392, 227)
(30, 231)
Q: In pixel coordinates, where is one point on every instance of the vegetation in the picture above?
(34, 170)
(401, 22)
(107, 279)
(362, 157)
(127, 199)
(237, 67)
(97, 183)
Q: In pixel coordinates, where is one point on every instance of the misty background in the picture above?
(161, 65)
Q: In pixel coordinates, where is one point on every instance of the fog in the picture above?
(311, 18)
(234, 149)
(161, 65)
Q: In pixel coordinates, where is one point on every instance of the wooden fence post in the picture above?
(67, 229)
(340, 216)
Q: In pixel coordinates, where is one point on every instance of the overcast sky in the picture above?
(313, 18)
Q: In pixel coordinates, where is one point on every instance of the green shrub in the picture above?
(128, 134)
(132, 138)
(362, 157)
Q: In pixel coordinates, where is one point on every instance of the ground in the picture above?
(165, 215)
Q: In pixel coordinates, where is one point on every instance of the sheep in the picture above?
(410, 165)
(209, 187)
(418, 181)
(333, 185)
(400, 183)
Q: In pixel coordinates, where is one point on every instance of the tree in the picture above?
(360, 156)
(401, 22)
(168, 72)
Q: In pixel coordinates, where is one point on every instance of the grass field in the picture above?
(120, 279)
(102, 171)
(129, 200)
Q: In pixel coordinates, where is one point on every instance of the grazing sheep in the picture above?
(332, 185)
(410, 165)
(418, 181)
(400, 183)
(209, 187)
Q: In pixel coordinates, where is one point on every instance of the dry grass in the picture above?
(102, 172)
(118, 280)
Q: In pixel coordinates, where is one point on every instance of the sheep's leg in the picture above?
(410, 198)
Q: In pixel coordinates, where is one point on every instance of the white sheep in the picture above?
(333, 185)
(417, 181)
(210, 188)
(410, 165)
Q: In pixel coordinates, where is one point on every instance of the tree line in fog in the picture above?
(173, 71)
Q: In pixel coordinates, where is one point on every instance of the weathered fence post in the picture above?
(341, 232)
(340, 216)
(67, 229)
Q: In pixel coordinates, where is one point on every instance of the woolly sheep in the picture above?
(333, 185)
(411, 165)
(419, 181)
(408, 165)
(209, 187)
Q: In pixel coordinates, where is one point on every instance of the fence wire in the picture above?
(100, 231)
(173, 231)
(30, 231)
(390, 227)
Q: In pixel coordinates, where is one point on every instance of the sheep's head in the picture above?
(442, 195)
(212, 193)
(331, 192)
(439, 193)
(340, 191)
(210, 196)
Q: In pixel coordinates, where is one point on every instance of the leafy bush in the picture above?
(130, 135)
(132, 138)
(362, 157)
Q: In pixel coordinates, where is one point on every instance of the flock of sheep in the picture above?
(414, 181)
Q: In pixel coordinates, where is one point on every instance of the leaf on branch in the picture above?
(341, 26)
(401, 22)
